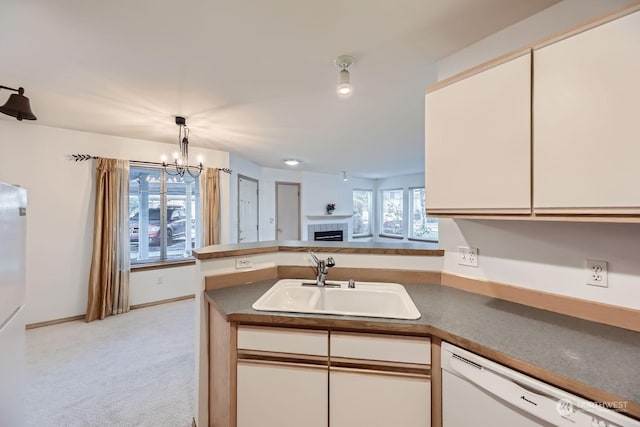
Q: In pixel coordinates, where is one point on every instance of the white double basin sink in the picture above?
(370, 299)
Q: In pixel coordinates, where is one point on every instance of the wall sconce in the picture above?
(18, 105)
(343, 62)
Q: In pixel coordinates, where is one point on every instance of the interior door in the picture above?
(247, 209)
(287, 211)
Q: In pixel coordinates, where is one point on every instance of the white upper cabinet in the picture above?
(586, 116)
(478, 141)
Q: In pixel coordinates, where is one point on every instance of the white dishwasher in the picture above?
(477, 392)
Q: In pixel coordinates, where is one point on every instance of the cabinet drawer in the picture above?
(381, 347)
(283, 340)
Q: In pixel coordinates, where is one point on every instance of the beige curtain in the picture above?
(109, 277)
(210, 202)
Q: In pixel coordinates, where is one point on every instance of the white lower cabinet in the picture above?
(272, 394)
(363, 398)
(289, 378)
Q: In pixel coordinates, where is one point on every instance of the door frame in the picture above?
(297, 184)
(248, 178)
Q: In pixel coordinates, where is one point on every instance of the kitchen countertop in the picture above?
(389, 248)
(596, 355)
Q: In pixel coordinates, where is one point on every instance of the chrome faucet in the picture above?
(322, 268)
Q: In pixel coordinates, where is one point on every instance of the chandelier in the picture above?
(181, 157)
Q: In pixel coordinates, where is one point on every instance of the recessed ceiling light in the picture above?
(291, 162)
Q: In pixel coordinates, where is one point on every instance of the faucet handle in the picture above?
(315, 258)
(330, 262)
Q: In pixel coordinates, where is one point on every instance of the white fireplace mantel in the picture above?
(332, 216)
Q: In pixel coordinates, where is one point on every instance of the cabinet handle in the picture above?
(384, 373)
(288, 364)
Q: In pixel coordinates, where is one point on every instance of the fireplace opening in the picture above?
(328, 236)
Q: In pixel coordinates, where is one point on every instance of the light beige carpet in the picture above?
(135, 369)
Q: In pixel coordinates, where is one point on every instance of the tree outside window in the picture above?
(422, 227)
(362, 203)
(392, 213)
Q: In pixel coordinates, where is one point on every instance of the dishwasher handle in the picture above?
(559, 412)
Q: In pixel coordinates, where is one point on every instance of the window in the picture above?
(362, 203)
(164, 214)
(422, 227)
(392, 213)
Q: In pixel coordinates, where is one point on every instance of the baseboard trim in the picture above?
(54, 322)
(163, 301)
(82, 316)
(621, 317)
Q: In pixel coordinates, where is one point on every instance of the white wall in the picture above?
(317, 190)
(554, 19)
(60, 214)
(543, 255)
(267, 178)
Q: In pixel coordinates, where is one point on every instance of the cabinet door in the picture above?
(478, 142)
(272, 394)
(586, 123)
(361, 398)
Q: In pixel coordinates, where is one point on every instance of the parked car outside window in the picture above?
(176, 225)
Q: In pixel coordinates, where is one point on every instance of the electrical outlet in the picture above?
(243, 263)
(597, 273)
(159, 281)
(468, 256)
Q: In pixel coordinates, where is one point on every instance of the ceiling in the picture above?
(252, 77)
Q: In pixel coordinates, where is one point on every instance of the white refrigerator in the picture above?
(13, 226)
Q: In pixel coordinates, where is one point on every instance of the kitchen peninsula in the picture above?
(570, 353)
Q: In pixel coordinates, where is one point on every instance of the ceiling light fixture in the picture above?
(344, 176)
(18, 105)
(343, 62)
(181, 157)
(291, 162)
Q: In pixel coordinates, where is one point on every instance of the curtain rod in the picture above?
(85, 157)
